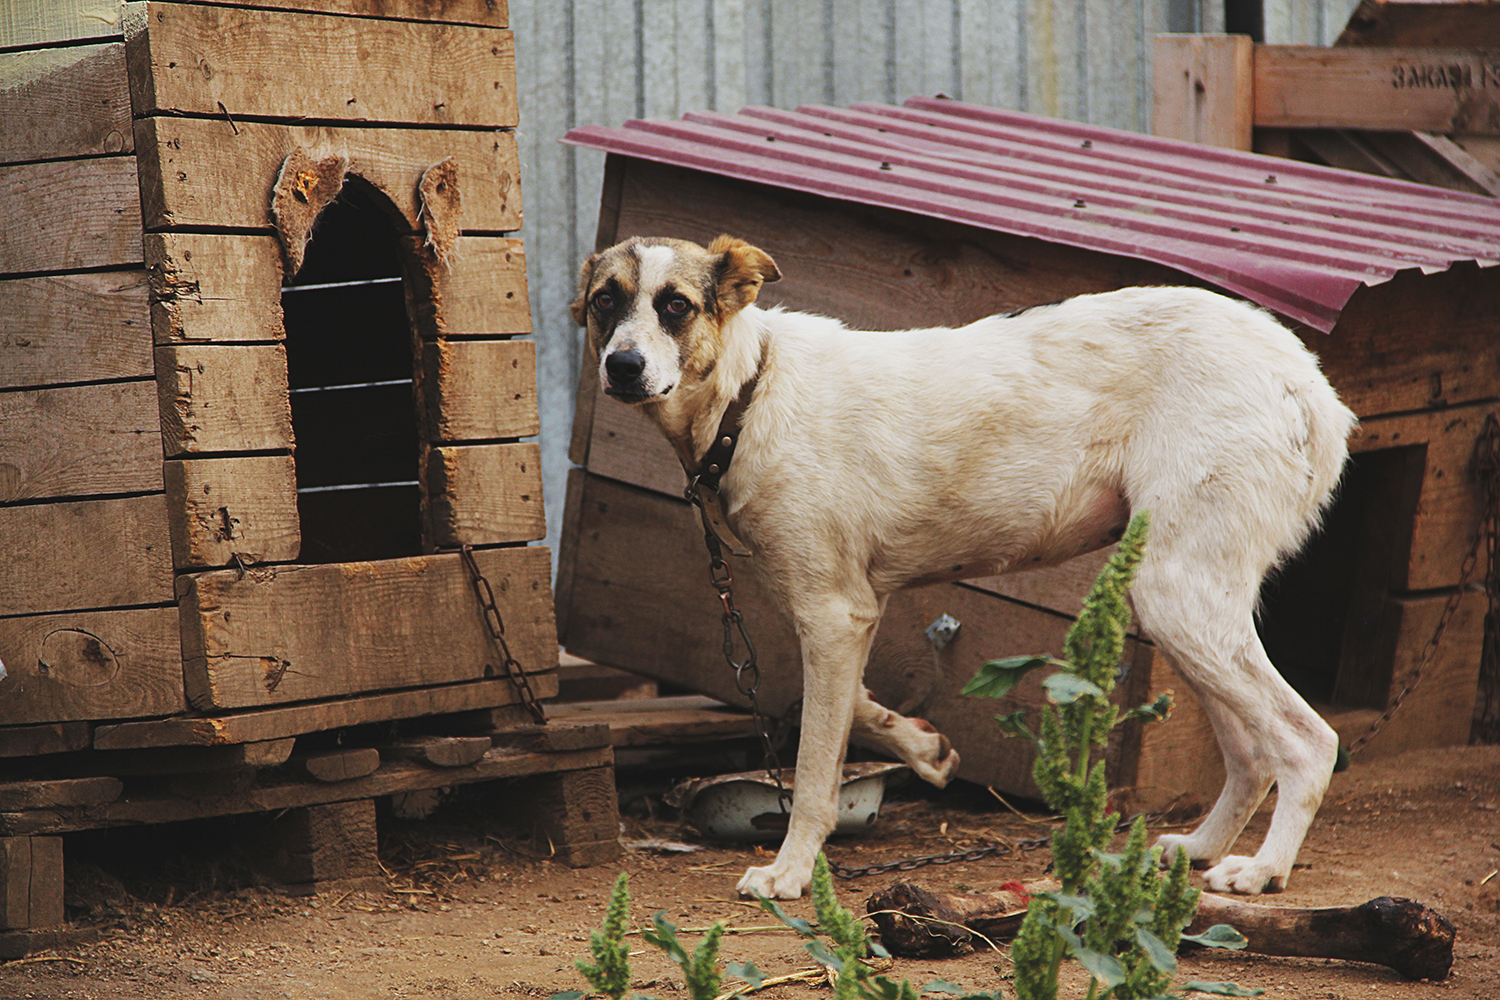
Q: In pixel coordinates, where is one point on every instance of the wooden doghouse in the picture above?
(941, 213)
(260, 375)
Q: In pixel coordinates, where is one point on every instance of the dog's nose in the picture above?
(625, 366)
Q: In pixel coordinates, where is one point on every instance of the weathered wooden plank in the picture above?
(31, 882)
(478, 390)
(79, 440)
(56, 737)
(639, 552)
(19, 795)
(217, 60)
(60, 103)
(74, 328)
(1378, 367)
(493, 13)
(1448, 514)
(1430, 90)
(1439, 709)
(70, 214)
(485, 494)
(214, 288)
(1204, 89)
(91, 665)
(122, 543)
(439, 751)
(390, 779)
(479, 289)
(639, 722)
(337, 765)
(1173, 758)
(216, 398)
(202, 172)
(38, 22)
(292, 633)
(223, 508)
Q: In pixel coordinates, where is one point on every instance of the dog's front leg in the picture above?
(836, 633)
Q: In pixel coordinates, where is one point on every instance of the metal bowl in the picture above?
(744, 806)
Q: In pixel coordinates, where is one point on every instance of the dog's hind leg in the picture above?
(925, 750)
(836, 633)
(1266, 731)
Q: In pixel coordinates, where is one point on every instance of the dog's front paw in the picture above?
(933, 759)
(775, 881)
(1243, 875)
(1171, 843)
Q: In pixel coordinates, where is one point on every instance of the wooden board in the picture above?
(91, 665)
(485, 494)
(202, 172)
(479, 289)
(1430, 90)
(38, 22)
(638, 722)
(221, 508)
(216, 60)
(217, 398)
(56, 737)
(479, 390)
(293, 633)
(74, 328)
(494, 13)
(79, 441)
(97, 554)
(16, 796)
(214, 288)
(391, 779)
(61, 103)
(1447, 514)
(1177, 757)
(638, 553)
(1438, 712)
(70, 214)
(278, 723)
(31, 883)
(1203, 89)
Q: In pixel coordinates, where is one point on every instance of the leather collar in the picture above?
(703, 485)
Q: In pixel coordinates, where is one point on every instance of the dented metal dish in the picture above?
(744, 806)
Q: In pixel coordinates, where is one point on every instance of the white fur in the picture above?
(870, 462)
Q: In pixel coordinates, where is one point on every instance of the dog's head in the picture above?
(655, 309)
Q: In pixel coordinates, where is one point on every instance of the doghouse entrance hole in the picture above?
(350, 366)
(1317, 609)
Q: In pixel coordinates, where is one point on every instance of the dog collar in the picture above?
(703, 485)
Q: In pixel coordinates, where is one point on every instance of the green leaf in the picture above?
(1157, 711)
(795, 923)
(1079, 908)
(1064, 689)
(1219, 936)
(938, 986)
(665, 937)
(570, 995)
(1224, 989)
(1014, 724)
(823, 956)
(743, 970)
(1156, 951)
(997, 677)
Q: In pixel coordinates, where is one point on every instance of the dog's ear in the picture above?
(741, 270)
(579, 306)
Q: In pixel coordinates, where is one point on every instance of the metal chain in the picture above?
(512, 668)
(1487, 470)
(746, 672)
(1487, 466)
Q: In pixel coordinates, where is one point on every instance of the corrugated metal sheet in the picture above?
(1295, 238)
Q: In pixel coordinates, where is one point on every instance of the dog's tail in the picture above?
(1326, 425)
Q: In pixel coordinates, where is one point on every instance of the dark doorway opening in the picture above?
(350, 367)
(1318, 610)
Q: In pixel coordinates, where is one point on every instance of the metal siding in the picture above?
(600, 62)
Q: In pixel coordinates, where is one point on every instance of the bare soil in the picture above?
(466, 914)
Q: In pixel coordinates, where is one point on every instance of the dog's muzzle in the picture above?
(625, 376)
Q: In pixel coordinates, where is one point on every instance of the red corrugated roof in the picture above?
(1296, 238)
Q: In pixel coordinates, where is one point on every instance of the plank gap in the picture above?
(70, 385)
(121, 267)
(234, 117)
(76, 157)
(362, 16)
(69, 43)
(74, 611)
(80, 498)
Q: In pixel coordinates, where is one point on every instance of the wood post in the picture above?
(306, 848)
(1205, 89)
(576, 811)
(31, 882)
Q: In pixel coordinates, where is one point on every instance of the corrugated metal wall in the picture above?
(603, 61)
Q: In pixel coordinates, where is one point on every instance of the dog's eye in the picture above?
(604, 301)
(677, 305)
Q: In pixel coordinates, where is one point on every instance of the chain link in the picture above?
(1487, 471)
(511, 667)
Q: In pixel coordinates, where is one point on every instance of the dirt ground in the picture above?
(466, 915)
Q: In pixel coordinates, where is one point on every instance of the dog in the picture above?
(869, 462)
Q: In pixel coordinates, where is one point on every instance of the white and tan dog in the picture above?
(869, 462)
